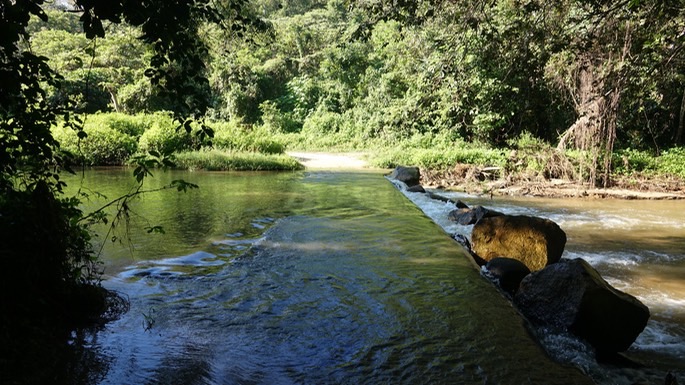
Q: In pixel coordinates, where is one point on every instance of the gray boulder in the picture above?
(571, 295)
(507, 273)
(469, 216)
(409, 175)
(416, 188)
(456, 202)
(537, 242)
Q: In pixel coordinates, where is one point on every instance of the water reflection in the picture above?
(225, 203)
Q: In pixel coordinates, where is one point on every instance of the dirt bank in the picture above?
(472, 180)
(489, 183)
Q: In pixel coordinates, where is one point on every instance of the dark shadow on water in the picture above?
(50, 350)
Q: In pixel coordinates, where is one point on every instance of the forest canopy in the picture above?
(590, 76)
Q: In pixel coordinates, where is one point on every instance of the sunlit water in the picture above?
(338, 278)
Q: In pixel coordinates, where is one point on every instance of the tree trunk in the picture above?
(115, 101)
(585, 132)
(598, 87)
(681, 122)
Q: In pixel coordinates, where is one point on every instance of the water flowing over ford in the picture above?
(322, 277)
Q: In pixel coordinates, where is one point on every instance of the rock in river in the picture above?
(416, 188)
(409, 175)
(571, 295)
(469, 216)
(507, 273)
(537, 242)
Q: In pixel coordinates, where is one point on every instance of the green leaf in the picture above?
(155, 229)
(37, 10)
(182, 185)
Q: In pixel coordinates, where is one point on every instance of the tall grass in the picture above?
(218, 160)
(234, 136)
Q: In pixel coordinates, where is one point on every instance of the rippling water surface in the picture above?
(338, 278)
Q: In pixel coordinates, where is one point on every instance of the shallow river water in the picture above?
(338, 278)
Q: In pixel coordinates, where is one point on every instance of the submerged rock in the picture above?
(571, 295)
(417, 189)
(456, 202)
(537, 242)
(507, 273)
(469, 216)
(409, 175)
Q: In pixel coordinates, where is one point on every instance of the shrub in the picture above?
(328, 131)
(322, 122)
(672, 161)
(134, 125)
(629, 160)
(233, 136)
(526, 141)
(102, 146)
(165, 136)
(276, 120)
(535, 158)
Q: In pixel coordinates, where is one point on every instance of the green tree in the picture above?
(589, 73)
(47, 267)
(605, 70)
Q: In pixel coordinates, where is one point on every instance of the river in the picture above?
(322, 277)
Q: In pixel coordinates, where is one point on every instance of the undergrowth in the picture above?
(218, 160)
(113, 139)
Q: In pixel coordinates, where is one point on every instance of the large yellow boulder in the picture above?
(537, 242)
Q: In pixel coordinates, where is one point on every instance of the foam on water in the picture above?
(662, 337)
(200, 258)
(564, 347)
(606, 258)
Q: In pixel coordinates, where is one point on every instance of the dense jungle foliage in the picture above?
(579, 89)
(598, 81)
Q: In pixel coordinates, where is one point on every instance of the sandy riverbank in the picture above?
(332, 161)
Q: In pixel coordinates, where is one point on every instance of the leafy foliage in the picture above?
(673, 162)
(389, 72)
(164, 136)
(46, 248)
(237, 137)
(102, 145)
